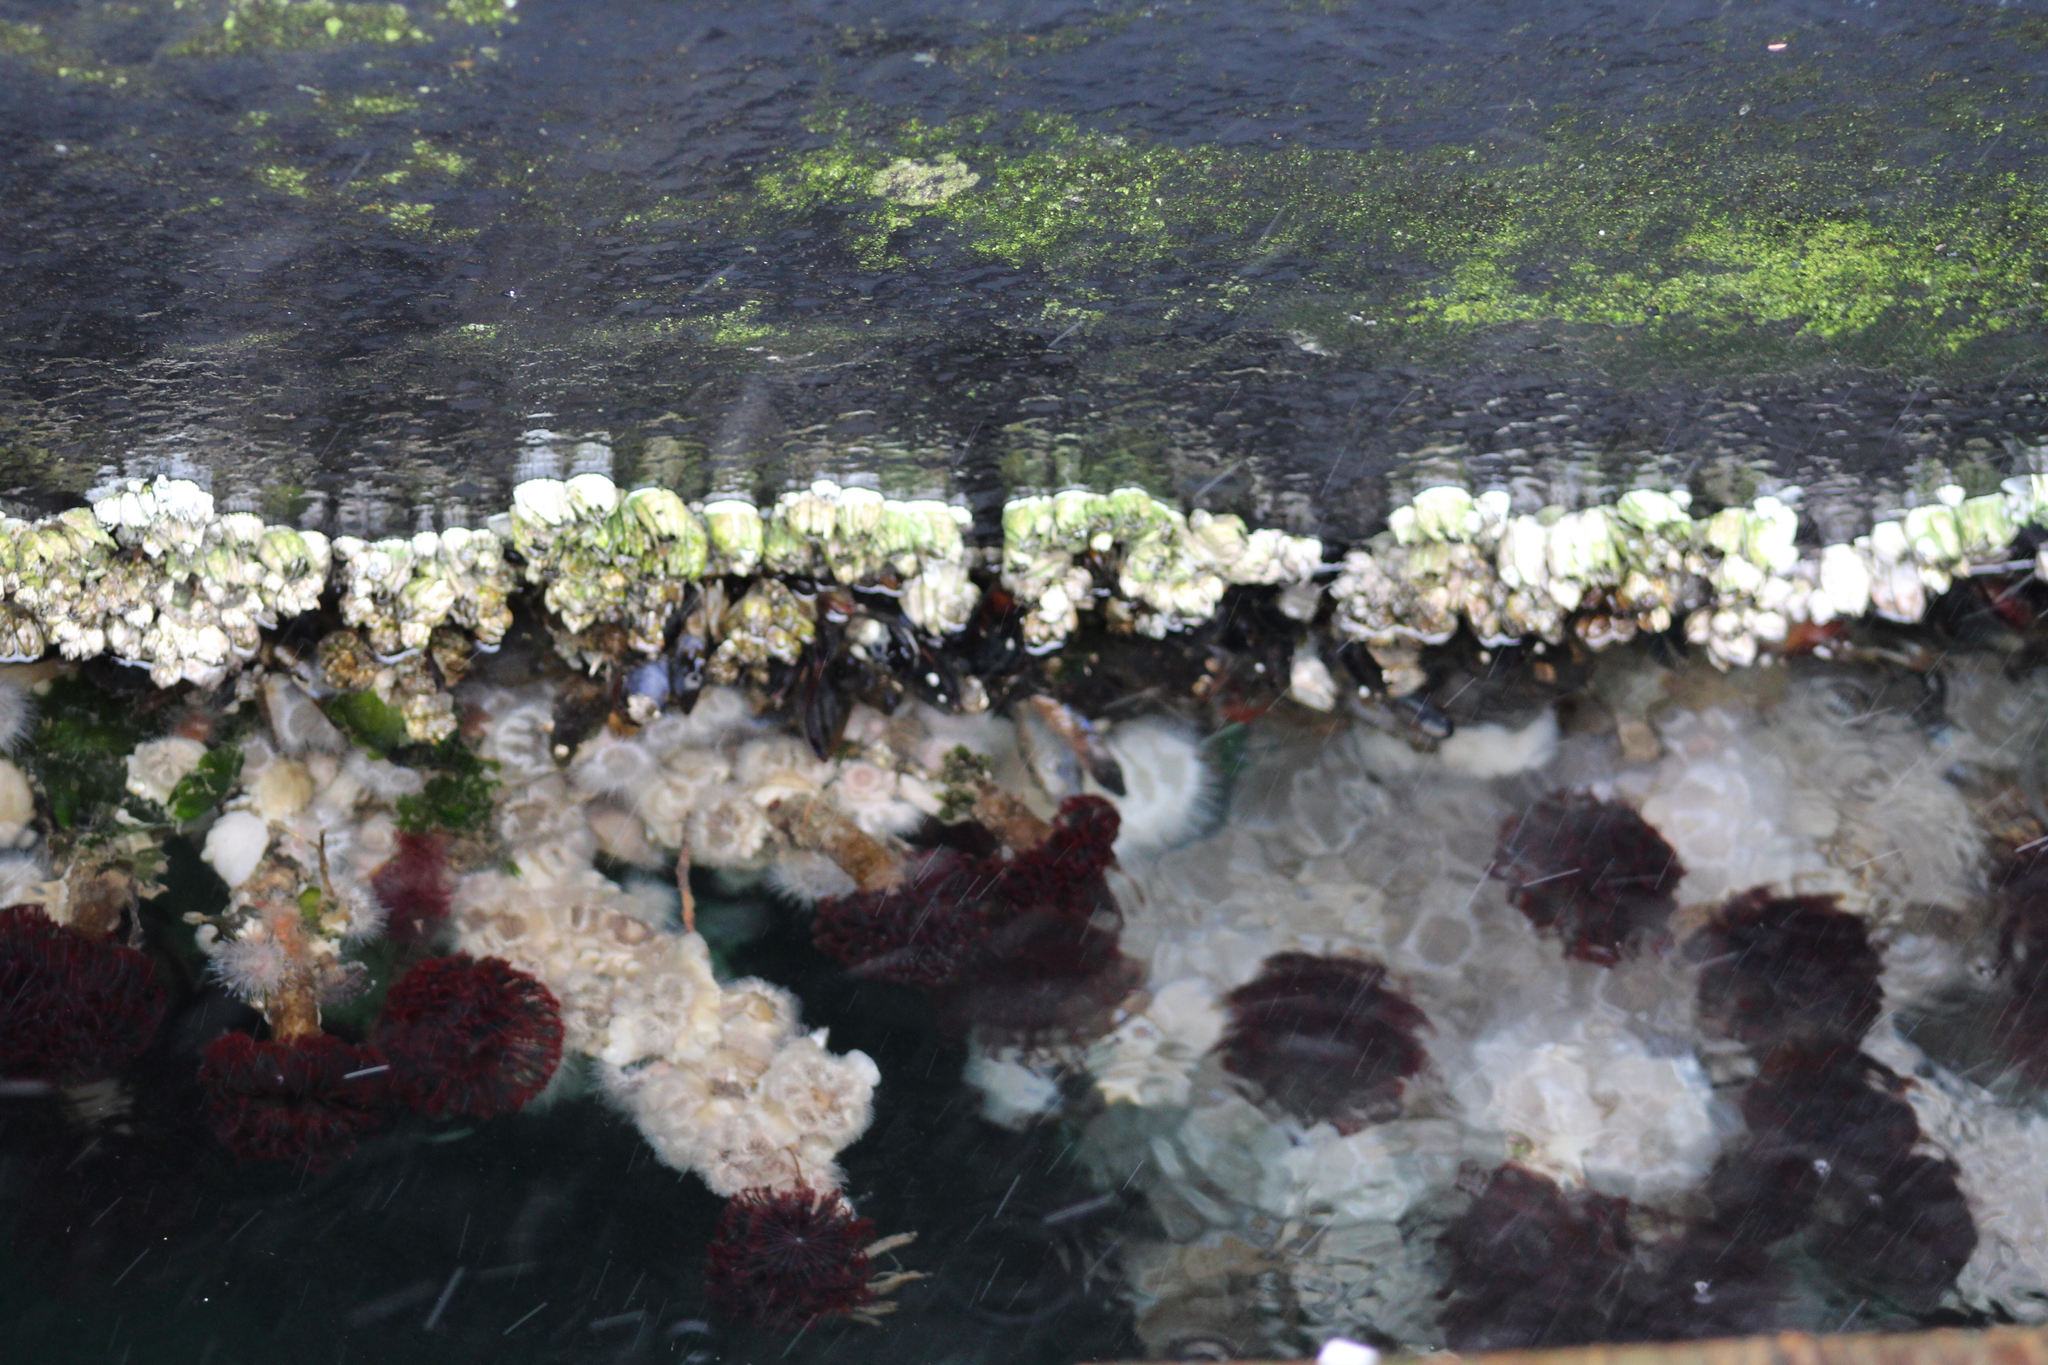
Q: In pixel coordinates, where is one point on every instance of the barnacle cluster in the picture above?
(1168, 569)
(1603, 573)
(152, 575)
(626, 562)
(398, 592)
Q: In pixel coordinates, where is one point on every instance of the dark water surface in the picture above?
(1251, 254)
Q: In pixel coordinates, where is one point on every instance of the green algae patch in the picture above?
(23, 40)
(294, 25)
(425, 161)
(204, 788)
(369, 721)
(287, 25)
(459, 792)
(379, 106)
(30, 44)
(1680, 248)
(79, 751)
(291, 180)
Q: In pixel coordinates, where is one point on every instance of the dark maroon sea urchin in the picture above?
(784, 1259)
(1533, 1265)
(309, 1100)
(1324, 1038)
(73, 1006)
(1021, 948)
(1787, 970)
(1593, 871)
(469, 1036)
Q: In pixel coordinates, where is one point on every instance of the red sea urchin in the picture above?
(470, 1036)
(414, 888)
(1787, 969)
(1593, 870)
(1830, 1157)
(784, 1259)
(1324, 1038)
(1533, 1265)
(1023, 948)
(311, 1099)
(73, 1006)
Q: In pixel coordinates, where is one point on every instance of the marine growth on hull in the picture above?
(1523, 930)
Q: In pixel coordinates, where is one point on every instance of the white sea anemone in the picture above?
(157, 767)
(17, 714)
(17, 800)
(622, 835)
(364, 917)
(1014, 1092)
(937, 733)
(279, 789)
(872, 795)
(805, 878)
(727, 833)
(1170, 791)
(251, 966)
(236, 844)
(654, 901)
(779, 766)
(520, 734)
(1489, 750)
(689, 778)
(383, 779)
(720, 713)
(296, 719)
(545, 811)
(606, 765)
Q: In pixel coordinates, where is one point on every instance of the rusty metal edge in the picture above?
(1939, 1346)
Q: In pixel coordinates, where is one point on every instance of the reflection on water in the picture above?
(1248, 256)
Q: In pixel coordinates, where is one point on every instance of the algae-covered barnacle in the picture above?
(734, 528)
(606, 559)
(771, 624)
(1174, 566)
(857, 536)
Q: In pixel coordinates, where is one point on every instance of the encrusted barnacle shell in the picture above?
(410, 684)
(21, 636)
(770, 624)
(152, 573)
(602, 559)
(734, 527)
(1175, 567)
(400, 590)
(941, 598)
